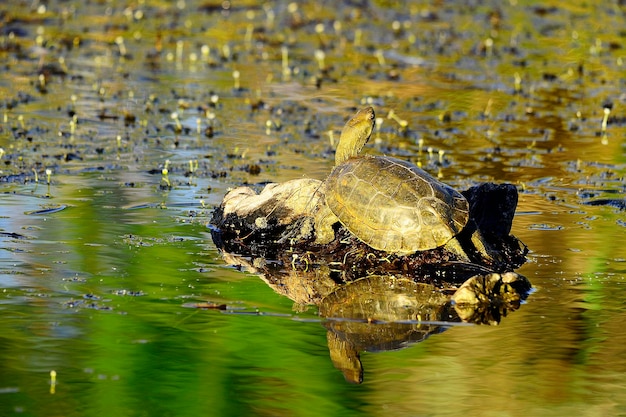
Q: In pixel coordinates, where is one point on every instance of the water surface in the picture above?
(98, 267)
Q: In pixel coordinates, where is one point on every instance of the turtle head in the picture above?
(355, 134)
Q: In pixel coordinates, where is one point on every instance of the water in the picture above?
(100, 269)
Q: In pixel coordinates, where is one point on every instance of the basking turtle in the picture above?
(390, 204)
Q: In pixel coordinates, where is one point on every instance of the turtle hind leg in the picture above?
(324, 221)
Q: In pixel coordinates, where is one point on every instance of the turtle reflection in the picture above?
(388, 312)
(380, 313)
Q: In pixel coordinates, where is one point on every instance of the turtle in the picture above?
(388, 203)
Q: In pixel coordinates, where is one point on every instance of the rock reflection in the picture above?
(387, 312)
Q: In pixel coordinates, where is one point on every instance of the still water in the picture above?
(105, 257)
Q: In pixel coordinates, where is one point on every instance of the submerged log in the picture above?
(278, 224)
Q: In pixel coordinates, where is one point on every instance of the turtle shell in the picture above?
(394, 206)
